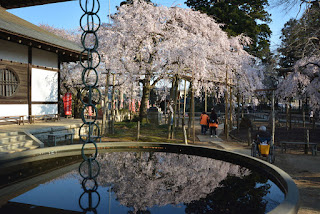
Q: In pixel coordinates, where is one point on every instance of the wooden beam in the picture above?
(29, 80)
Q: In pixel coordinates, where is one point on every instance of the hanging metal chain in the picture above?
(90, 95)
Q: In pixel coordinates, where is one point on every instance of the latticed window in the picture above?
(9, 82)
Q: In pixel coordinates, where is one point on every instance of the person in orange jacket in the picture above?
(204, 119)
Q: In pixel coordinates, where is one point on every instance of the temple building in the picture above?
(29, 64)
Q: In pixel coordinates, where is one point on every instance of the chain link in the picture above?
(89, 131)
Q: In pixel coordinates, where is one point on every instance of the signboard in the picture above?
(67, 104)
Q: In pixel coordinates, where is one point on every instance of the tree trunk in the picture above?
(145, 99)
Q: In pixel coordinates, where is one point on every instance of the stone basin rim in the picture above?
(289, 205)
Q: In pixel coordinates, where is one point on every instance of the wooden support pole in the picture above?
(238, 112)
(112, 105)
(249, 136)
(131, 99)
(273, 119)
(179, 106)
(193, 114)
(290, 116)
(206, 100)
(138, 130)
(184, 103)
(303, 115)
(105, 118)
(230, 111)
(287, 117)
(185, 135)
(190, 111)
(307, 140)
(226, 108)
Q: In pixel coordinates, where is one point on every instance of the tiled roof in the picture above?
(10, 23)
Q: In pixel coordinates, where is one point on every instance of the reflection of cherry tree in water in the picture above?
(142, 180)
(235, 195)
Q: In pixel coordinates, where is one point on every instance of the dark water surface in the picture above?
(158, 182)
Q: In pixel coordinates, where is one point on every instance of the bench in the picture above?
(45, 117)
(19, 119)
(313, 146)
(52, 138)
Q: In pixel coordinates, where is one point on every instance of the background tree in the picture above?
(131, 2)
(299, 53)
(240, 17)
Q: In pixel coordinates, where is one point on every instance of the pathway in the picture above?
(217, 141)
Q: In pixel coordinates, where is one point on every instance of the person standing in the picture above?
(311, 116)
(204, 119)
(213, 123)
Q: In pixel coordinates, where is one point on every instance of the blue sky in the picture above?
(67, 14)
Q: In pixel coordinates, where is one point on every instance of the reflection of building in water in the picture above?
(142, 180)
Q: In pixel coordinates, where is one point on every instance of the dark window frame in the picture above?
(9, 82)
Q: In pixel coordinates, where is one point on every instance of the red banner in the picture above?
(67, 103)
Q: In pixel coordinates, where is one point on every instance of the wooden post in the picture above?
(206, 100)
(249, 136)
(230, 110)
(193, 116)
(273, 119)
(179, 105)
(104, 125)
(184, 102)
(175, 97)
(185, 135)
(242, 107)
(112, 105)
(138, 130)
(165, 111)
(290, 116)
(306, 148)
(226, 108)
(190, 111)
(131, 99)
(287, 117)
(238, 112)
(303, 116)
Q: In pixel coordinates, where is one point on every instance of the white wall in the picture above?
(41, 109)
(13, 52)
(14, 109)
(44, 58)
(44, 85)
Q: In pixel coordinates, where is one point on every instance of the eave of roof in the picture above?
(20, 28)
(11, 4)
